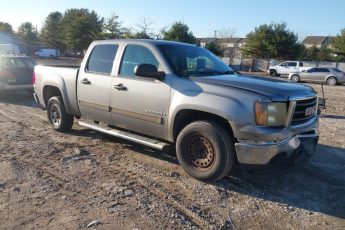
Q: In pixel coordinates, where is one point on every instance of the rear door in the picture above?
(94, 83)
(321, 74)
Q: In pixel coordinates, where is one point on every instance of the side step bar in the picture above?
(127, 136)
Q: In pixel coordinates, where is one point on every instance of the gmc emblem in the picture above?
(310, 111)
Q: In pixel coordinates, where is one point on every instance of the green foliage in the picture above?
(214, 47)
(179, 32)
(51, 34)
(316, 54)
(28, 33)
(80, 27)
(338, 44)
(272, 41)
(4, 26)
(112, 27)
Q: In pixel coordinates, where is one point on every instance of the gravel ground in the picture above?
(82, 178)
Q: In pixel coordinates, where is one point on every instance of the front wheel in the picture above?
(59, 119)
(205, 151)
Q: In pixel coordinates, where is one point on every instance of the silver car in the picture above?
(331, 76)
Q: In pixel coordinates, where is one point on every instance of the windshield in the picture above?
(186, 60)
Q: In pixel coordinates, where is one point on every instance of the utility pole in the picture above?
(215, 34)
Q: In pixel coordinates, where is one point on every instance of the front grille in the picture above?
(300, 116)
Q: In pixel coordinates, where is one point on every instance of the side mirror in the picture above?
(149, 71)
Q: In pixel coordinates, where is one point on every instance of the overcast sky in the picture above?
(316, 17)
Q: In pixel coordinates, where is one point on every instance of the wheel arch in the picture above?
(187, 116)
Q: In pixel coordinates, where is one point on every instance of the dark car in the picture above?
(16, 73)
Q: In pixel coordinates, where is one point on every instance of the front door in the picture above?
(94, 83)
(140, 104)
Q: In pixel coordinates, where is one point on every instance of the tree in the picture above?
(51, 34)
(214, 47)
(338, 44)
(144, 30)
(28, 33)
(80, 27)
(272, 41)
(179, 32)
(112, 27)
(4, 26)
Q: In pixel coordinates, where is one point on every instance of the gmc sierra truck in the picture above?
(163, 94)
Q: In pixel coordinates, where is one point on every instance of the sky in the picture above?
(304, 17)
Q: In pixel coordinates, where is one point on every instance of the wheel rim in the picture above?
(200, 152)
(55, 115)
(295, 79)
(332, 81)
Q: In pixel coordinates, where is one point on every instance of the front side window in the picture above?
(101, 59)
(312, 70)
(136, 55)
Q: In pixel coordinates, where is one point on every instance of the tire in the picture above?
(59, 119)
(273, 73)
(295, 78)
(332, 81)
(51, 57)
(218, 151)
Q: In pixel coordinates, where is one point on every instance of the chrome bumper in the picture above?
(298, 149)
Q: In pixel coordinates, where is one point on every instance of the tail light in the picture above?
(33, 78)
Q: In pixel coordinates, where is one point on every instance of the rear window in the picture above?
(337, 70)
(101, 59)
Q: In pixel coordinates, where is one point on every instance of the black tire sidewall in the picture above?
(66, 119)
(223, 150)
(273, 73)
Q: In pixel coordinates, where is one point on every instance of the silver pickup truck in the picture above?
(162, 94)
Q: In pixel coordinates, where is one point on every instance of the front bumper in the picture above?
(259, 145)
(297, 149)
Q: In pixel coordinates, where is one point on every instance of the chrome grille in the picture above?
(300, 114)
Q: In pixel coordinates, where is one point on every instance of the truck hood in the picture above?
(276, 90)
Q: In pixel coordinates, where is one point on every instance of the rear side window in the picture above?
(135, 55)
(292, 64)
(101, 59)
(323, 70)
(301, 64)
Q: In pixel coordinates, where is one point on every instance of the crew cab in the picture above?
(167, 94)
(286, 67)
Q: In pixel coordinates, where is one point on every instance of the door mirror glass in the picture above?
(149, 71)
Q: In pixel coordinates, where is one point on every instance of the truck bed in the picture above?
(64, 79)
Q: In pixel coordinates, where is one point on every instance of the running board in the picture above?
(127, 136)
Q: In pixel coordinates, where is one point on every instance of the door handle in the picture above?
(120, 87)
(86, 81)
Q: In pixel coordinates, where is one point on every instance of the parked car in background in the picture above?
(48, 53)
(285, 68)
(16, 72)
(331, 76)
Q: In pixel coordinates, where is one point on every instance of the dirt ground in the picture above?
(50, 180)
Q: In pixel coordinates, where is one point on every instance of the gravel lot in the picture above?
(50, 180)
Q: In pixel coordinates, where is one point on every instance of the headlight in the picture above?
(270, 113)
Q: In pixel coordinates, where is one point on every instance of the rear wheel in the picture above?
(273, 73)
(294, 78)
(332, 81)
(205, 150)
(59, 119)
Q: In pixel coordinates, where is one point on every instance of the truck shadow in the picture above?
(336, 117)
(23, 98)
(317, 186)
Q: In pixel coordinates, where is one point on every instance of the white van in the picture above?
(48, 53)
(11, 49)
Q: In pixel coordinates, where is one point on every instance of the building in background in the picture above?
(10, 44)
(316, 41)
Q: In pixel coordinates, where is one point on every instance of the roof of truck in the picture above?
(143, 41)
